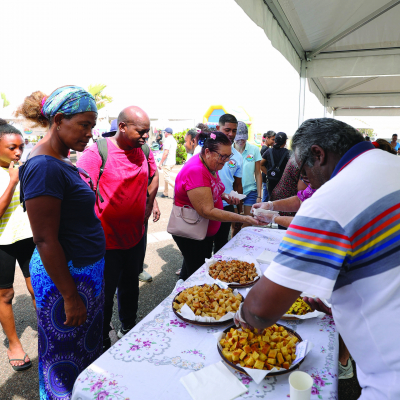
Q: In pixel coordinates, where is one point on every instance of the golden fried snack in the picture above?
(299, 307)
(234, 271)
(273, 347)
(208, 301)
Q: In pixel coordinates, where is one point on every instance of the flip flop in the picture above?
(178, 272)
(24, 366)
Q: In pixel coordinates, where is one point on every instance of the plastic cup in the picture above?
(300, 385)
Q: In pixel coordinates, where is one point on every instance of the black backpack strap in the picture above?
(103, 151)
(146, 151)
(271, 156)
(285, 154)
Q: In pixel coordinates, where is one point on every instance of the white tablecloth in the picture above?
(149, 361)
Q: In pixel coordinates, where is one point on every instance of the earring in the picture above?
(58, 127)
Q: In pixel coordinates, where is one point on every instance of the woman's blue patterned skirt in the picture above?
(65, 351)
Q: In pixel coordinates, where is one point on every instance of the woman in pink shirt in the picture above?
(199, 186)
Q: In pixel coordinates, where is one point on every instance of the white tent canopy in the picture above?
(349, 51)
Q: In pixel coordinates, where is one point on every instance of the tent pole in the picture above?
(302, 93)
(324, 107)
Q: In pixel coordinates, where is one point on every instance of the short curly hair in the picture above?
(31, 109)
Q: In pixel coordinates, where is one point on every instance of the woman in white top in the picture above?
(16, 242)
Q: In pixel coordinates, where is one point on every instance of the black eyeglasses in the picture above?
(86, 175)
(222, 157)
(304, 176)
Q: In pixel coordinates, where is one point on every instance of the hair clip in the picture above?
(198, 130)
(213, 136)
(200, 143)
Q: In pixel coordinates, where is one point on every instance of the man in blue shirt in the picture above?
(231, 176)
(394, 144)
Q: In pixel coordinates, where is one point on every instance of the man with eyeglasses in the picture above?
(121, 207)
(342, 245)
(231, 177)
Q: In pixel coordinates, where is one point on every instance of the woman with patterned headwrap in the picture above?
(67, 265)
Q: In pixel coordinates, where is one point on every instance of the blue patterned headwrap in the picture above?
(68, 100)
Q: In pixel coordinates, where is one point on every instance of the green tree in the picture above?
(100, 98)
(5, 101)
(180, 151)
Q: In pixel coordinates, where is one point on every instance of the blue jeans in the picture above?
(251, 198)
(265, 196)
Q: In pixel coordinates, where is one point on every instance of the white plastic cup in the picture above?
(300, 385)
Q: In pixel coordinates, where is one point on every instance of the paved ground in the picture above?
(162, 260)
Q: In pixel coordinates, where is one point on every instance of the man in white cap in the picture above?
(168, 160)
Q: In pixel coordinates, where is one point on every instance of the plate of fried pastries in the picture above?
(272, 351)
(207, 305)
(236, 273)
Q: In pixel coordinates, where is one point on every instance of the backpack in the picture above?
(103, 151)
(274, 173)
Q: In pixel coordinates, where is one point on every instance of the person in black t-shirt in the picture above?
(268, 140)
(278, 164)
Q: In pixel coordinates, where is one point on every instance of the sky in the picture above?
(173, 58)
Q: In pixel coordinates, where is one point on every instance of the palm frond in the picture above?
(100, 98)
(95, 90)
(5, 101)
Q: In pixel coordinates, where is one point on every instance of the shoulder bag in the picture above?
(186, 222)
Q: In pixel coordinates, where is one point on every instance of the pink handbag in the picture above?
(186, 222)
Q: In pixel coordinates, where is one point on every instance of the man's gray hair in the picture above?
(328, 133)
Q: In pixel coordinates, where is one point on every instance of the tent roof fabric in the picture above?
(351, 49)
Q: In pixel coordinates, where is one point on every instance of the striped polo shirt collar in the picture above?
(351, 155)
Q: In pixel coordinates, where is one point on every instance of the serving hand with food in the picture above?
(299, 307)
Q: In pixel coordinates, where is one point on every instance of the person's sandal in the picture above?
(24, 366)
(178, 272)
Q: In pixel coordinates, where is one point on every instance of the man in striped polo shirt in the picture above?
(343, 244)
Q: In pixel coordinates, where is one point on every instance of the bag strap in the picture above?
(182, 216)
(271, 156)
(146, 151)
(103, 151)
(282, 158)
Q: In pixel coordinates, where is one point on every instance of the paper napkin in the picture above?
(235, 194)
(214, 382)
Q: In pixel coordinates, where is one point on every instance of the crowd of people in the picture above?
(83, 236)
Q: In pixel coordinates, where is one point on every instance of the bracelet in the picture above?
(258, 197)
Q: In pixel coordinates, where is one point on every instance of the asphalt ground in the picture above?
(162, 260)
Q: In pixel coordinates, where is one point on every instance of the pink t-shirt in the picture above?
(193, 175)
(123, 187)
